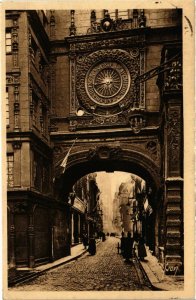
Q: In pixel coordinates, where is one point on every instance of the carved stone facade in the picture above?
(65, 84)
(105, 81)
(174, 139)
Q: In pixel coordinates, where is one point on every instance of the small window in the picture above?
(123, 14)
(7, 108)
(10, 170)
(8, 42)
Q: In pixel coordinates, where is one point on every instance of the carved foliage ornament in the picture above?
(104, 153)
(173, 80)
(102, 121)
(105, 81)
(129, 42)
(10, 79)
(174, 139)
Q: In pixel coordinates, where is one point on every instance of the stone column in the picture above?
(174, 185)
(31, 238)
(17, 163)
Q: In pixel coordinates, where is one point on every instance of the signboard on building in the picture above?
(79, 205)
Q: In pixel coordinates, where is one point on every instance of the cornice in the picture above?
(146, 132)
(26, 194)
(12, 14)
(28, 136)
(106, 35)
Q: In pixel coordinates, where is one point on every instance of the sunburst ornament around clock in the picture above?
(104, 82)
(107, 83)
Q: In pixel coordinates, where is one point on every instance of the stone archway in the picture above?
(109, 159)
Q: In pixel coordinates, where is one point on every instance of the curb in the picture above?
(147, 281)
(154, 288)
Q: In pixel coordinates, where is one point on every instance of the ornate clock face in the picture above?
(104, 81)
(107, 83)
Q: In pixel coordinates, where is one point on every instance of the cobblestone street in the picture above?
(106, 271)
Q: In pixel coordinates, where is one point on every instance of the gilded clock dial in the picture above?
(107, 83)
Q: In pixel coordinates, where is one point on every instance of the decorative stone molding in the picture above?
(16, 107)
(53, 125)
(125, 42)
(150, 149)
(52, 24)
(72, 28)
(15, 43)
(73, 125)
(173, 80)
(12, 79)
(16, 145)
(107, 24)
(104, 152)
(136, 119)
(52, 77)
(105, 101)
(107, 60)
(21, 207)
(101, 121)
(174, 140)
(72, 84)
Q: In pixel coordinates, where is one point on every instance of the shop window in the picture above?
(10, 170)
(8, 42)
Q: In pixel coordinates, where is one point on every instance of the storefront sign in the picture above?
(79, 205)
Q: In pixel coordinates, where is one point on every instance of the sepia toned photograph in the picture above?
(95, 117)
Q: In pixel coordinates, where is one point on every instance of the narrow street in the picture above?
(106, 271)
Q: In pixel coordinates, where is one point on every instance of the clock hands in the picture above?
(97, 84)
(105, 82)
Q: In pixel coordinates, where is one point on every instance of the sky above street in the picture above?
(108, 184)
(114, 179)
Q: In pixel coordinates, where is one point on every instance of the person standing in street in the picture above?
(141, 249)
(92, 246)
(128, 251)
(85, 240)
(122, 243)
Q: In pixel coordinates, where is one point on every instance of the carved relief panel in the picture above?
(102, 82)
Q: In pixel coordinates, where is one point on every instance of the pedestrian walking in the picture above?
(128, 252)
(135, 245)
(103, 237)
(92, 246)
(122, 243)
(85, 240)
(141, 249)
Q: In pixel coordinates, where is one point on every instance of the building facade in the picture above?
(111, 79)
